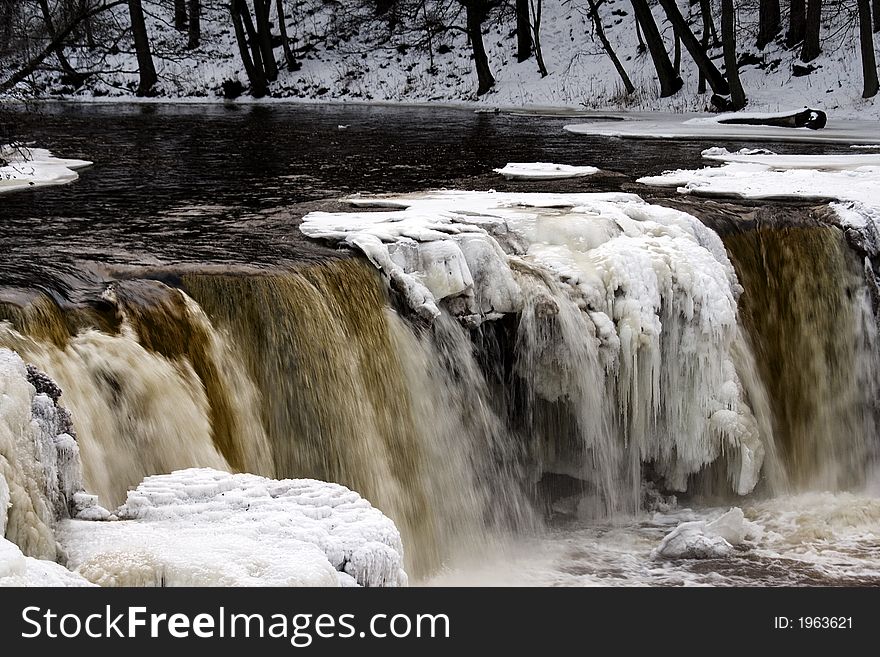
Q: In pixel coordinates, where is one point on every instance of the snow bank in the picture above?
(543, 171)
(701, 539)
(203, 527)
(35, 167)
(623, 305)
(654, 125)
(19, 570)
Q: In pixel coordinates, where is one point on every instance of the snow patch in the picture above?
(203, 527)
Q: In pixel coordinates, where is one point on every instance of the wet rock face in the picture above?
(43, 383)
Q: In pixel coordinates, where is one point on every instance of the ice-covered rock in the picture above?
(19, 570)
(39, 462)
(701, 539)
(203, 527)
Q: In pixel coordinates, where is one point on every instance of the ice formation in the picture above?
(701, 539)
(543, 171)
(39, 461)
(203, 527)
(627, 313)
(35, 167)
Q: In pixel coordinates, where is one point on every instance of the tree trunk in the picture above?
(250, 54)
(67, 69)
(670, 83)
(797, 21)
(811, 47)
(708, 23)
(475, 10)
(769, 22)
(869, 61)
(708, 29)
(876, 16)
(713, 75)
(289, 59)
(264, 38)
(146, 69)
(195, 24)
(536, 31)
(524, 31)
(600, 32)
(728, 40)
(180, 15)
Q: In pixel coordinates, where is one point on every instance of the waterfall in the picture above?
(807, 308)
(494, 360)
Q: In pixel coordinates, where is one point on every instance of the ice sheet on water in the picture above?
(543, 171)
(203, 527)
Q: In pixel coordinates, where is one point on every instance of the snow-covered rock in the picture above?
(203, 527)
(19, 570)
(543, 171)
(701, 539)
(36, 167)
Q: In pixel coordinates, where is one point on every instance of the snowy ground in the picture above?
(35, 167)
(348, 54)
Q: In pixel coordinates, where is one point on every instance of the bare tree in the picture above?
(797, 22)
(600, 32)
(475, 13)
(524, 31)
(869, 61)
(289, 59)
(769, 22)
(70, 75)
(536, 10)
(813, 25)
(876, 16)
(194, 32)
(698, 54)
(180, 15)
(728, 40)
(264, 38)
(146, 69)
(670, 83)
(248, 47)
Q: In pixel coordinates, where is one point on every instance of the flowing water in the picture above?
(171, 296)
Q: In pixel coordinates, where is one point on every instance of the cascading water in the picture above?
(524, 354)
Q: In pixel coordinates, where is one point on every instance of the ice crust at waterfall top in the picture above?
(644, 300)
(543, 171)
(203, 527)
(36, 167)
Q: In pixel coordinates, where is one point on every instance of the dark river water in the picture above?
(176, 185)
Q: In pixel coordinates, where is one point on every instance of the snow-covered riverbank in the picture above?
(35, 167)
